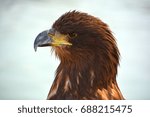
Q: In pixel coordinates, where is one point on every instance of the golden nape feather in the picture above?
(88, 55)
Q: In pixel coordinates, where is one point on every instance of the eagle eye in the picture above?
(72, 35)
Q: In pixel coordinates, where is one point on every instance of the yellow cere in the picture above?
(59, 39)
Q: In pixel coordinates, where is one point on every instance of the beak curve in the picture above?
(51, 38)
(43, 39)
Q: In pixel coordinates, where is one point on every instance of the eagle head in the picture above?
(89, 57)
(79, 36)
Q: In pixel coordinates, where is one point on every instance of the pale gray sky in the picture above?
(25, 74)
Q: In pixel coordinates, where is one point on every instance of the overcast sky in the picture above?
(25, 74)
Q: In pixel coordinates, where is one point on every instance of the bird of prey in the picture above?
(88, 55)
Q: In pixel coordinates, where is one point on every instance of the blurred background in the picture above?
(26, 74)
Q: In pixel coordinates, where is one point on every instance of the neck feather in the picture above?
(83, 81)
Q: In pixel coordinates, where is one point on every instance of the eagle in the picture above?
(88, 55)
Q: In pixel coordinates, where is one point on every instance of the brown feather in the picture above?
(88, 68)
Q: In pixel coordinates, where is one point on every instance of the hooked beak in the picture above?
(50, 38)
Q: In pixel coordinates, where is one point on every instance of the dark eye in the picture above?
(73, 35)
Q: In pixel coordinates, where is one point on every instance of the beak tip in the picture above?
(35, 48)
(41, 39)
